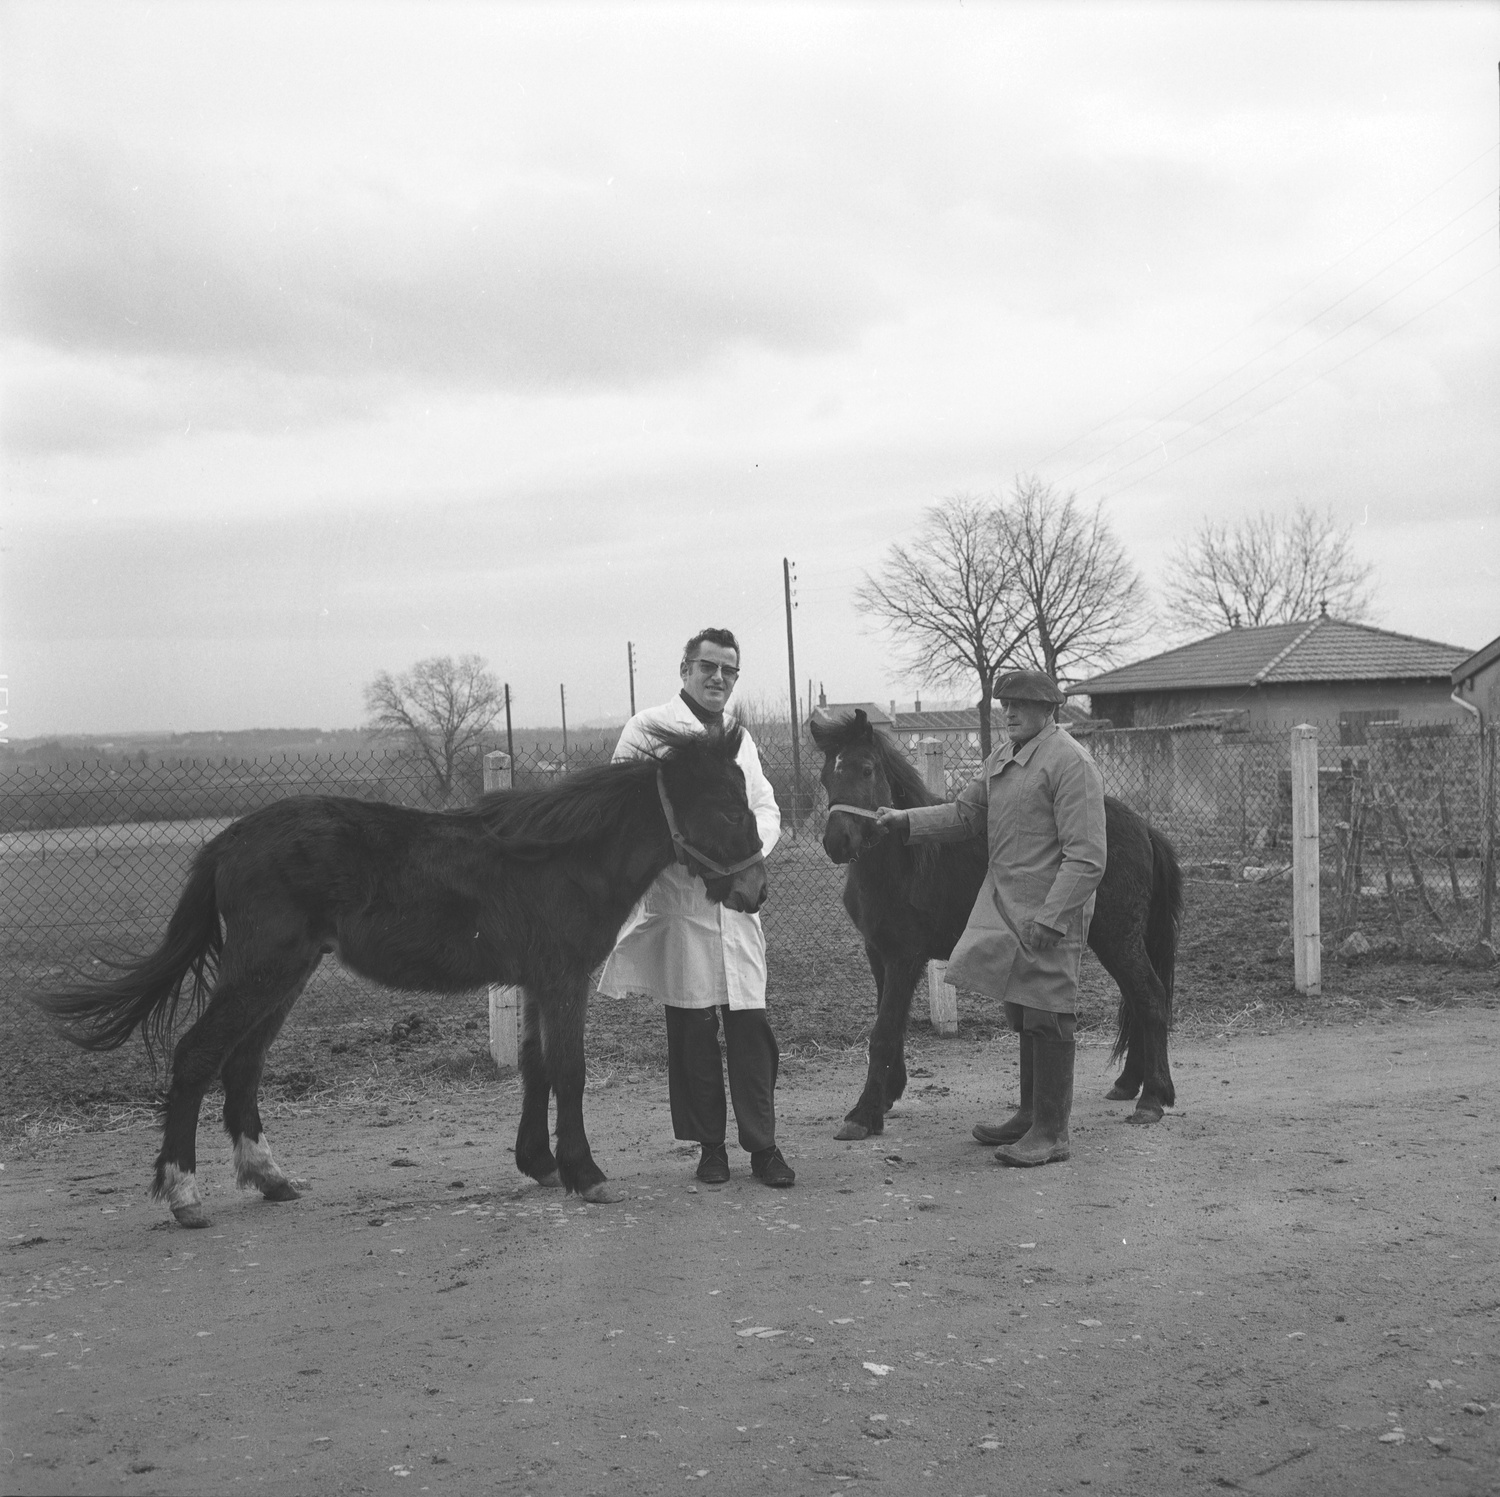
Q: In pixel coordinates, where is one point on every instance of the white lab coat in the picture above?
(678, 946)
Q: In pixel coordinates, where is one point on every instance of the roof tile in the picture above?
(1321, 649)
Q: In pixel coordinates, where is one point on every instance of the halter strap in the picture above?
(686, 850)
(853, 811)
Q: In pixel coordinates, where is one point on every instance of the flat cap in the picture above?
(1028, 686)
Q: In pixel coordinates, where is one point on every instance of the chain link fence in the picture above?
(93, 854)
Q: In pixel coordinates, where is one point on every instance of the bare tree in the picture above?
(439, 712)
(1266, 569)
(1083, 600)
(949, 602)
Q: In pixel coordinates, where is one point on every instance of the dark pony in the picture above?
(526, 887)
(911, 903)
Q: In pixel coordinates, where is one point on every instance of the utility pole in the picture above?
(510, 747)
(562, 692)
(630, 662)
(791, 676)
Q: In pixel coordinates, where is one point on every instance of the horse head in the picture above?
(854, 774)
(708, 815)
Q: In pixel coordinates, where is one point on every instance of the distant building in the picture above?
(1477, 681)
(957, 727)
(872, 710)
(1318, 670)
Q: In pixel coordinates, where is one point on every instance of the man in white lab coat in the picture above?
(706, 963)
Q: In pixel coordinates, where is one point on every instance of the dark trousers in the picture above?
(695, 1074)
(1041, 1022)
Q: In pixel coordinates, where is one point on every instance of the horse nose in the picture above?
(837, 842)
(747, 892)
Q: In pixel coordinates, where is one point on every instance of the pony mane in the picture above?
(684, 743)
(584, 807)
(851, 730)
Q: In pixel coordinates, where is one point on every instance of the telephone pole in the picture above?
(562, 692)
(510, 747)
(630, 663)
(791, 676)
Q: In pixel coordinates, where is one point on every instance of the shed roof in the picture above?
(1477, 661)
(955, 720)
(872, 710)
(1320, 649)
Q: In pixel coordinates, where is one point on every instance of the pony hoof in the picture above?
(852, 1131)
(190, 1216)
(283, 1190)
(604, 1194)
(1119, 1092)
(1145, 1113)
(551, 1181)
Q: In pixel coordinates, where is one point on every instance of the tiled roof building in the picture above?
(1317, 669)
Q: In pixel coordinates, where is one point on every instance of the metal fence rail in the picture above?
(93, 854)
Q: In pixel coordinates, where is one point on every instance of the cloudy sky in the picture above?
(339, 336)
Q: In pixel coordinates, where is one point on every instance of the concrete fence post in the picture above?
(504, 1001)
(942, 996)
(1307, 938)
(1489, 750)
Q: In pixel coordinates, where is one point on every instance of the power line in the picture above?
(1301, 327)
(1291, 363)
(1261, 317)
(1322, 374)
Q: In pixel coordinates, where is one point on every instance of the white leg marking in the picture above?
(181, 1189)
(254, 1165)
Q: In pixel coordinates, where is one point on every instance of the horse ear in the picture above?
(822, 732)
(863, 732)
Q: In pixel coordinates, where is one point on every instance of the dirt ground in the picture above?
(1290, 1285)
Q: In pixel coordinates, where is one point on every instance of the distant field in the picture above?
(119, 834)
(66, 891)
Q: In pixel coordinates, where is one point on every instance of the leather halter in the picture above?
(685, 849)
(853, 811)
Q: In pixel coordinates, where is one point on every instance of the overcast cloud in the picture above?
(338, 336)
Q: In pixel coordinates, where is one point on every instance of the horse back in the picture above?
(408, 898)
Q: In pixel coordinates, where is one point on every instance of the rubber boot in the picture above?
(1047, 1140)
(1018, 1125)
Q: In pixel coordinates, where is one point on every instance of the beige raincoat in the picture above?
(678, 946)
(1042, 807)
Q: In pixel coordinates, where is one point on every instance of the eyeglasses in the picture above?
(712, 668)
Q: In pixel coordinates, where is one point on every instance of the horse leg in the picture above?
(867, 1116)
(235, 1008)
(533, 1142)
(254, 1164)
(1129, 1081)
(562, 1012)
(895, 1073)
(1146, 1065)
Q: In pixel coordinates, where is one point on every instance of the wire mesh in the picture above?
(93, 854)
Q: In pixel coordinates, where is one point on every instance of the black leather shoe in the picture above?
(771, 1169)
(713, 1164)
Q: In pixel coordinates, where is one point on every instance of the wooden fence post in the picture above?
(942, 996)
(1307, 938)
(504, 1028)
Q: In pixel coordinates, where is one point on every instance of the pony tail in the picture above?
(146, 995)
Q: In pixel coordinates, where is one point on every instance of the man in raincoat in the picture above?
(1040, 800)
(706, 963)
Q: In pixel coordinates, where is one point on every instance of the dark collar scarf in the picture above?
(704, 716)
